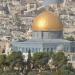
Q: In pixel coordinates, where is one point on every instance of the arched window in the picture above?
(26, 50)
(23, 49)
(36, 49)
(47, 49)
(44, 49)
(51, 49)
(32, 49)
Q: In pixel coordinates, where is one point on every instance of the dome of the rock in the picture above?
(47, 21)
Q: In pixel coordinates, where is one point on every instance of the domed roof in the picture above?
(47, 21)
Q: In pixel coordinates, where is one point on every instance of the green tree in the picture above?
(37, 57)
(40, 60)
(29, 62)
(32, 73)
(71, 38)
(2, 59)
(2, 62)
(9, 73)
(14, 59)
(45, 73)
(15, 56)
(65, 70)
(59, 59)
(61, 64)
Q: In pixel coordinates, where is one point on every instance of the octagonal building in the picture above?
(47, 36)
(47, 26)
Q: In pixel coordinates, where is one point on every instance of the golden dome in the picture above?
(47, 21)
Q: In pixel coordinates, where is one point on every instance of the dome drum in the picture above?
(47, 35)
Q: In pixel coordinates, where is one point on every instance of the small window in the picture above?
(47, 49)
(36, 49)
(51, 49)
(20, 49)
(23, 49)
(29, 50)
(44, 49)
(32, 49)
(26, 50)
(39, 50)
